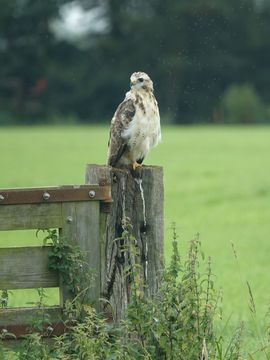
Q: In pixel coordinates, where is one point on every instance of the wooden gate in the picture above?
(75, 211)
(84, 218)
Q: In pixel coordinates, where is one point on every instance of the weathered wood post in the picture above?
(139, 197)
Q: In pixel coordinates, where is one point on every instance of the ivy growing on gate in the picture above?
(69, 260)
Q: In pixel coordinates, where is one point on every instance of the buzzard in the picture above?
(135, 126)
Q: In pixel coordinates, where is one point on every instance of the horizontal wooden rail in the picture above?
(26, 268)
(55, 194)
(18, 320)
(34, 216)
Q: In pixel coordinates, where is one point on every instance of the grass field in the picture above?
(217, 183)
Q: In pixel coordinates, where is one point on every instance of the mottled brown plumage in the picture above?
(117, 145)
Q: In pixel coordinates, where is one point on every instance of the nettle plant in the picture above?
(178, 322)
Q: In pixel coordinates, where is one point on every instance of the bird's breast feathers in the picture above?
(143, 132)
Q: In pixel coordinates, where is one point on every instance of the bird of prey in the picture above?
(135, 126)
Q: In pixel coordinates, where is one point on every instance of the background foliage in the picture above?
(195, 51)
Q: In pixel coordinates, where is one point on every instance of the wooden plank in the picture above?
(81, 227)
(26, 268)
(139, 197)
(17, 320)
(34, 216)
(55, 194)
(20, 316)
(96, 174)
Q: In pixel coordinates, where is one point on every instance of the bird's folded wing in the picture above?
(120, 122)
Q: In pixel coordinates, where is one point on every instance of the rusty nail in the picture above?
(69, 219)
(92, 193)
(46, 196)
(2, 198)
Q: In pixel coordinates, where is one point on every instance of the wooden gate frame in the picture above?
(75, 210)
(87, 217)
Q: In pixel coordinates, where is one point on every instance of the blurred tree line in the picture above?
(209, 59)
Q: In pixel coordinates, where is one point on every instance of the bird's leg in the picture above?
(135, 165)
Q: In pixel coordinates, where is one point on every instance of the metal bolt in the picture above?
(69, 219)
(92, 193)
(46, 196)
(2, 198)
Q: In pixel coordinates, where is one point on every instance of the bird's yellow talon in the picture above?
(135, 165)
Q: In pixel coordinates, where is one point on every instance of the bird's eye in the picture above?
(140, 79)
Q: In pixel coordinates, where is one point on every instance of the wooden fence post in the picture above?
(139, 197)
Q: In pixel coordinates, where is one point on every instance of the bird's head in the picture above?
(140, 80)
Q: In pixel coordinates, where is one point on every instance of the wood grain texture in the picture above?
(34, 216)
(131, 193)
(81, 228)
(26, 268)
(23, 316)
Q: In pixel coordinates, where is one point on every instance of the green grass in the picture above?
(217, 183)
